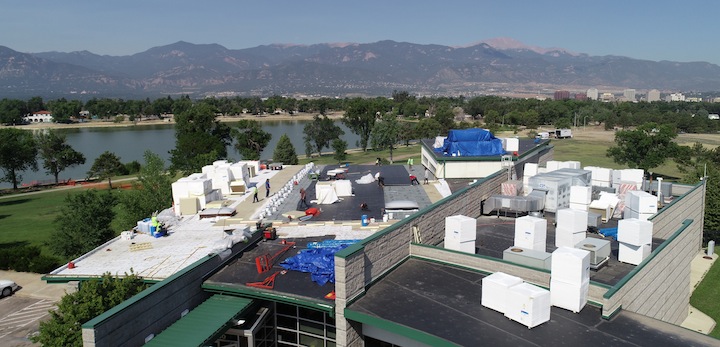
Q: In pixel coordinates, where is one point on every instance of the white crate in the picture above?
(633, 254)
(635, 231)
(569, 219)
(460, 228)
(552, 165)
(629, 214)
(570, 265)
(530, 169)
(570, 296)
(641, 201)
(598, 183)
(495, 288)
(568, 238)
(528, 304)
(580, 195)
(530, 232)
(579, 207)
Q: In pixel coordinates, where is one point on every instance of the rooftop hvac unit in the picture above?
(528, 257)
(599, 250)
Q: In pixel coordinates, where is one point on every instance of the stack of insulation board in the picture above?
(192, 193)
(570, 278)
(495, 288)
(529, 170)
(552, 165)
(531, 233)
(580, 197)
(569, 165)
(601, 177)
(571, 227)
(460, 233)
(629, 176)
(241, 175)
(635, 240)
(511, 188)
(640, 205)
(221, 175)
(605, 205)
(511, 144)
(528, 304)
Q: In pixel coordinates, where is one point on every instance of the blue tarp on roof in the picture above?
(318, 261)
(472, 143)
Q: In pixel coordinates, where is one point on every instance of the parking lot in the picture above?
(21, 313)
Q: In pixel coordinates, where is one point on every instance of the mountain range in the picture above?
(494, 66)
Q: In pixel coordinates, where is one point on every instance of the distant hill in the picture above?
(338, 69)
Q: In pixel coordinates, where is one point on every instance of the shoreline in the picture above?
(222, 119)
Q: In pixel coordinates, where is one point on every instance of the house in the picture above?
(39, 117)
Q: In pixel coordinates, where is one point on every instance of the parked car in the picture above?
(8, 287)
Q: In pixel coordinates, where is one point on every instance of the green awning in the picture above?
(202, 323)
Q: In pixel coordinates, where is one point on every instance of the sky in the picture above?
(656, 30)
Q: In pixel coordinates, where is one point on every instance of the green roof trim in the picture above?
(158, 286)
(203, 323)
(220, 288)
(399, 329)
(674, 201)
(685, 224)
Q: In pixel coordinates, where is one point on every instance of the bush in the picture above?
(26, 258)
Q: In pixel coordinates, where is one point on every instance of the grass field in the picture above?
(28, 218)
(706, 294)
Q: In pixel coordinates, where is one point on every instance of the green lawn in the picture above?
(592, 153)
(400, 155)
(705, 297)
(28, 218)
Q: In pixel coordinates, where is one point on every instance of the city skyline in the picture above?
(635, 30)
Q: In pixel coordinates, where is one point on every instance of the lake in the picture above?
(129, 143)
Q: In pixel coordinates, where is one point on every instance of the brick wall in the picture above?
(660, 286)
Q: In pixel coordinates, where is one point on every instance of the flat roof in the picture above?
(497, 234)
(525, 145)
(420, 298)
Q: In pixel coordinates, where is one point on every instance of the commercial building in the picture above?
(653, 95)
(592, 94)
(397, 286)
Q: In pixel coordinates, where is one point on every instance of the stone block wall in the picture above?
(660, 286)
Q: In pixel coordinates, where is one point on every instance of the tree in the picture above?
(427, 128)
(83, 223)
(250, 139)
(199, 139)
(698, 164)
(106, 166)
(285, 151)
(339, 146)
(386, 133)
(320, 132)
(646, 147)
(150, 192)
(18, 153)
(12, 111)
(407, 132)
(94, 297)
(360, 118)
(57, 155)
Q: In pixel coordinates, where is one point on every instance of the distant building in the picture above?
(561, 95)
(607, 97)
(629, 95)
(693, 99)
(715, 99)
(580, 96)
(39, 117)
(592, 94)
(653, 95)
(675, 97)
(714, 116)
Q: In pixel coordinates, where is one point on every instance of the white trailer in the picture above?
(563, 133)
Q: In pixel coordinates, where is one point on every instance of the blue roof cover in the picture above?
(471, 143)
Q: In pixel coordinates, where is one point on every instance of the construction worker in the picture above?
(255, 192)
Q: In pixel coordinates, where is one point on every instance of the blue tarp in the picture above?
(319, 261)
(471, 143)
(609, 232)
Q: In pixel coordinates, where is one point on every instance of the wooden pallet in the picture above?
(140, 246)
